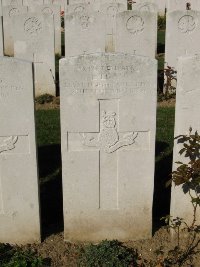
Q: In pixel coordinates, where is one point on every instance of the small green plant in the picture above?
(187, 175)
(46, 98)
(161, 22)
(16, 257)
(108, 254)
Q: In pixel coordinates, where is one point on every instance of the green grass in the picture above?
(165, 131)
(48, 127)
(161, 37)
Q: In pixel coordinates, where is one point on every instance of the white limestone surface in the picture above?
(19, 204)
(136, 33)
(145, 6)
(12, 2)
(33, 2)
(182, 5)
(111, 10)
(78, 8)
(186, 116)
(108, 145)
(54, 11)
(8, 13)
(84, 33)
(34, 41)
(182, 35)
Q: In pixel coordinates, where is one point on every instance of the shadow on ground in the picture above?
(160, 48)
(49, 160)
(162, 194)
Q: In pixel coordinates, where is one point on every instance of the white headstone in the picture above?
(8, 13)
(136, 33)
(12, 2)
(182, 35)
(111, 10)
(61, 3)
(19, 205)
(33, 2)
(34, 40)
(187, 115)
(84, 33)
(108, 145)
(182, 5)
(162, 5)
(78, 8)
(54, 11)
(145, 6)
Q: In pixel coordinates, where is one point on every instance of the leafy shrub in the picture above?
(16, 257)
(108, 254)
(186, 175)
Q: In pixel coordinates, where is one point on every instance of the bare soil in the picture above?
(151, 251)
(54, 104)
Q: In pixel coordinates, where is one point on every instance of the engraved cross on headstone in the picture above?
(8, 143)
(108, 141)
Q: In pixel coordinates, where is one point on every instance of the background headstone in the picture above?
(162, 5)
(108, 145)
(78, 8)
(12, 2)
(182, 35)
(33, 2)
(84, 33)
(54, 11)
(34, 41)
(136, 33)
(19, 205)
(8, 13)
(181, 5)
(145, 6)
(111, 10)
(187, 113)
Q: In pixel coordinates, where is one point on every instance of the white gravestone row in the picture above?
(54, 11)
(34, 41)
(182, 35)
(187, 115)
(104, 140)
(19, 204)
(136, 32)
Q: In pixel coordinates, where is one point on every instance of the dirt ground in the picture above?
(151, 251)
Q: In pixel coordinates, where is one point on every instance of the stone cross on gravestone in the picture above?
(108, 141)
(107, 145)
(7, 144)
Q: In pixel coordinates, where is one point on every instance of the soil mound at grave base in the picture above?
(46, 103)
(151, 251)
